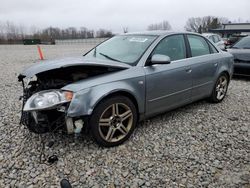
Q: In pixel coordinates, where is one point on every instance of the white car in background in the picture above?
(215, 39)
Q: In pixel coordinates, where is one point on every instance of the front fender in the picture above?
(84, 101)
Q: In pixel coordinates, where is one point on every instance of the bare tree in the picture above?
(11, 30)
(103, 33)
(164, 25)
(22, 31)
(125, 29)
(2, 33)
(11, 33)
(33, 30)
(240, 20)
(203, 24)
(83, 32)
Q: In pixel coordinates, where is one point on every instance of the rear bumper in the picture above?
(242, 69)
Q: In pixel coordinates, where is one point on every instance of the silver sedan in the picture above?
(125, 79)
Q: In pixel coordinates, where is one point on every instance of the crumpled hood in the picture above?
(47, 65)
(240, 54)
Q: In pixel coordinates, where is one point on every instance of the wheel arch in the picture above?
(93, 96)
(223, 70)
(125, 93)
(226, 73)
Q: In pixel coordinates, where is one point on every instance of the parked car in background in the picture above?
(123, 80)
(241, 53)
(216, 39)
(232, 40)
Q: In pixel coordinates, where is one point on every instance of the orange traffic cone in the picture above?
(40, 52)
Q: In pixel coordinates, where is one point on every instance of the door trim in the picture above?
(165, 96)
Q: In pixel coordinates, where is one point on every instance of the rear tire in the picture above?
(220, 89)
(113, 121)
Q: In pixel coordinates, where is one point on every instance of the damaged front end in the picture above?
(45, 103)
(45, 111)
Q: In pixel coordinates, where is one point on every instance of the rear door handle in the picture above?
(216, 64)
(189, 70)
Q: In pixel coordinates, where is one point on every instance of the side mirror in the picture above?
(160, 59)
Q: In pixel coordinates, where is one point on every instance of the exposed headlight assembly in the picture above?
(47, 100)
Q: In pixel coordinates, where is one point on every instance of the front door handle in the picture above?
(216, 64)
(189, 70)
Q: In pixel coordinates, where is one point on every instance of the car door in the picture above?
(168, 85)
(204, 61)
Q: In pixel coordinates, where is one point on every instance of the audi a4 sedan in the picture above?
(125, 79)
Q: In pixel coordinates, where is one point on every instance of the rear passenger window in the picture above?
(198, 45)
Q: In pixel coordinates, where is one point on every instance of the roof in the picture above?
(208, 34)
(229, 30)
(236, 24)
(157, 32)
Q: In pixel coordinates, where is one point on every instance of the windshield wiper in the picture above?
(110, 58)
(234, 47)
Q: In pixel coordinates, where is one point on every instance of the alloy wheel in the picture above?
(221, 87)
(115, 122)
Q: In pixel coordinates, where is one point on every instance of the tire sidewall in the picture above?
(97, 112)
(213, 97)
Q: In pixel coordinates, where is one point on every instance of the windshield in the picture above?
(244, 43)
(126, 49)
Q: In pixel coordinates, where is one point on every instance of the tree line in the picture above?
(198, 24)
(11, 33)
(204, 24)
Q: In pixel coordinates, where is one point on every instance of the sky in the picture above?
(114, 15)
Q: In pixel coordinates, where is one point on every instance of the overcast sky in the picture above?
(116, 14)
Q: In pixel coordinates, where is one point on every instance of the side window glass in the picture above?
(216, 38)
(219, 38)
(172, 46)
(211, 38)
(198, 45)
(213, 49)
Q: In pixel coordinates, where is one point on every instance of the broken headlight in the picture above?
(47, 99)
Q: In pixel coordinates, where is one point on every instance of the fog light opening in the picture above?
(74, 126)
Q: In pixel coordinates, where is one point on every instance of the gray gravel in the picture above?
(199, 145)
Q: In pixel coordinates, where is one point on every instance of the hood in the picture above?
(240, 54)
(47, 65)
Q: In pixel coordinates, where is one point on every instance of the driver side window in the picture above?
(172, 46)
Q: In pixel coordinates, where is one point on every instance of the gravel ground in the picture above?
(199, 145)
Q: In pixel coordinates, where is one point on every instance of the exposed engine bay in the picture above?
(52, 119)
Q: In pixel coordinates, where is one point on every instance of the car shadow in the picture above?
(63, 144)
(168, 115)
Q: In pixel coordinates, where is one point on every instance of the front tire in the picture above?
(220, 89)
(113, 121)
